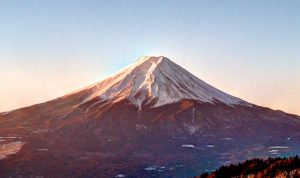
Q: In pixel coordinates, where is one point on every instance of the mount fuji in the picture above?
(157, 81)
(151, 119)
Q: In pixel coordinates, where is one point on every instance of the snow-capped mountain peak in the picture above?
(157, 81)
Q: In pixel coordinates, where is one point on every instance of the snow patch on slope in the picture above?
(10, 149)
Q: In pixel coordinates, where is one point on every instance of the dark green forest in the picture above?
(259, 168)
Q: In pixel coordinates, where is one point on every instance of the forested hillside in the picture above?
(259, 168)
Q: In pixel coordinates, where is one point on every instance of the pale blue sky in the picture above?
(247, 48)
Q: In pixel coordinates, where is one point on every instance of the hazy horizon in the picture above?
(248, 49)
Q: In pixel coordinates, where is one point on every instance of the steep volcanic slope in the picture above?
(153, 119)
(158, 81)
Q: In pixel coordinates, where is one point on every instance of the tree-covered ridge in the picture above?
(259, 168)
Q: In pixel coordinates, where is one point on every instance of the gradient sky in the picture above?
(250, 49)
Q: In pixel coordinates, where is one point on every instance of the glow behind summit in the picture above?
(250, 49)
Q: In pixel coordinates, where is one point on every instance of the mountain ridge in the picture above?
(131, 66)
(160, 80)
